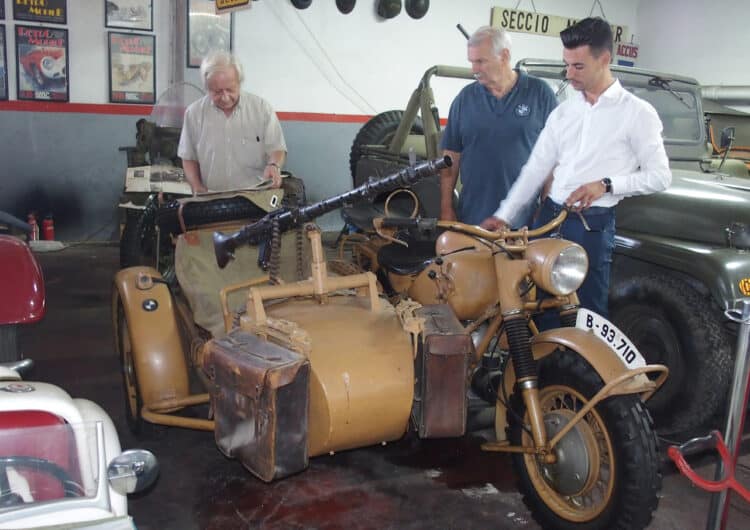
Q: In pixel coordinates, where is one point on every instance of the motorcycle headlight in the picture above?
(557, 266)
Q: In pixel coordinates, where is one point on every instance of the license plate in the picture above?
(608, 333)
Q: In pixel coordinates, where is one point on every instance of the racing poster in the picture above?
(42, 69)
(131, 68)
(3, 66)
(49, 11)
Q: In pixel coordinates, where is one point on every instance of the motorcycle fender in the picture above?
(602, 359)
(158, 356)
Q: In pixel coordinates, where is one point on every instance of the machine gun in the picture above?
(286, 218)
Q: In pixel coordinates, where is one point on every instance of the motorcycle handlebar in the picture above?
(504, 233)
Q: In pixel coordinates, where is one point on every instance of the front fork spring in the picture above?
(520, 348)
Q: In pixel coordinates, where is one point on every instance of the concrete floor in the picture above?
(411, 484)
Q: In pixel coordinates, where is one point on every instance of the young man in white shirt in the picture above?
(600, 148)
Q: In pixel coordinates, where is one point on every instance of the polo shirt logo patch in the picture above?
(522, 110)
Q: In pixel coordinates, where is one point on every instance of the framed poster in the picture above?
(130, 14)
(3, 66)
(131, 68)
(206, 31)
(50, 11)
(42, 63)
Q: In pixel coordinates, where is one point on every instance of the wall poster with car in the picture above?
(131, 68)
(130, 14)
(49, 11)
(3, 66)
(206, 31)
(42, 63)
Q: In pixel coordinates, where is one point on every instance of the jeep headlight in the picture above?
(557, 266)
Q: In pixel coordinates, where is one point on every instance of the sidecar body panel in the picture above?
(362, 371)
(160, 362)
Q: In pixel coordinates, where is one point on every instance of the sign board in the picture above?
(626, 54)
(225, 6)
(520, 21)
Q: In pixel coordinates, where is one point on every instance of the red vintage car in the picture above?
(44, 65)
(21, 288)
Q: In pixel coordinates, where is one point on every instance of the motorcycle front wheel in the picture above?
(606, 474)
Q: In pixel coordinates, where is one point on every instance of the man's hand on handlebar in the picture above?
(494, 224)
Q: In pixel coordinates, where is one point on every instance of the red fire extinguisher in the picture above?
(34, 234)
(48, 228)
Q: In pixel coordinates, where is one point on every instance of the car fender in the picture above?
(21, 283)
(90, 413)
(724, 271)
(160, 362)
(601, 358)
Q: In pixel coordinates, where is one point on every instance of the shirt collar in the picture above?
(612, 94)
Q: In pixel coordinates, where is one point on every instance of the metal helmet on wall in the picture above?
(389, 8)
(301, 4)
(416, 8)
(345, 6)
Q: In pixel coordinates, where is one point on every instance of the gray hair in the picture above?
(220, 60)
(498, 36)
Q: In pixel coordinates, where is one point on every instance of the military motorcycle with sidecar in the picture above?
(306, 368)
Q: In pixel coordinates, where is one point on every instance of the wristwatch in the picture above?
(607, 184)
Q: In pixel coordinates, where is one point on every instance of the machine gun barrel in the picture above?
(225, 245)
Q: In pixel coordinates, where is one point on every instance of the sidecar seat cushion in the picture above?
(407, 260)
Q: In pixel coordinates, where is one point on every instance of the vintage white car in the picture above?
(60, 459)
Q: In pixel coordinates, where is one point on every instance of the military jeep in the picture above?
(681, 258)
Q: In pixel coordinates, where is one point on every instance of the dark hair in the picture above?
(594, 31)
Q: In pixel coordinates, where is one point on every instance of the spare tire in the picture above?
(378, 130)
(673, 324)
(221, 210)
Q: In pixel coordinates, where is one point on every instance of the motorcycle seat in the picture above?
(407, 260)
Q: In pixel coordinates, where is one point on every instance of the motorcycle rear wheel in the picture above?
(607, 473)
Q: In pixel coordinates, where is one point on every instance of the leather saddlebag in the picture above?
(440, 370)
(259, 393)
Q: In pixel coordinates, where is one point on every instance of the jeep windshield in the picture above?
(675, 98)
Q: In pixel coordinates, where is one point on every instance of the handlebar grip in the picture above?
(399, 222)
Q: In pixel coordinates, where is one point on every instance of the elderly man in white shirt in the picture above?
(230, 139)
(600, 148)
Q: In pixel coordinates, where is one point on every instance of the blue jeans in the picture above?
(599, 243)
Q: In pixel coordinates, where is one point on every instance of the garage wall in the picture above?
(63, 158)
(710, 45)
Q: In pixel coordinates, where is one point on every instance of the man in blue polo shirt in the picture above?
(492, 126)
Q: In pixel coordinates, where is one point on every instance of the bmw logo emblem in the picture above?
(150, 304)
(522, 110)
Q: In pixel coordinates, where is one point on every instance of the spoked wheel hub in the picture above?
(577, 455)
(579, 484)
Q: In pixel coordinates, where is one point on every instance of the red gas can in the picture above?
(48, 229)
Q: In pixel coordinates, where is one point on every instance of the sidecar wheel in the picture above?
(9, 344)
(607, 470)
(133, 399)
